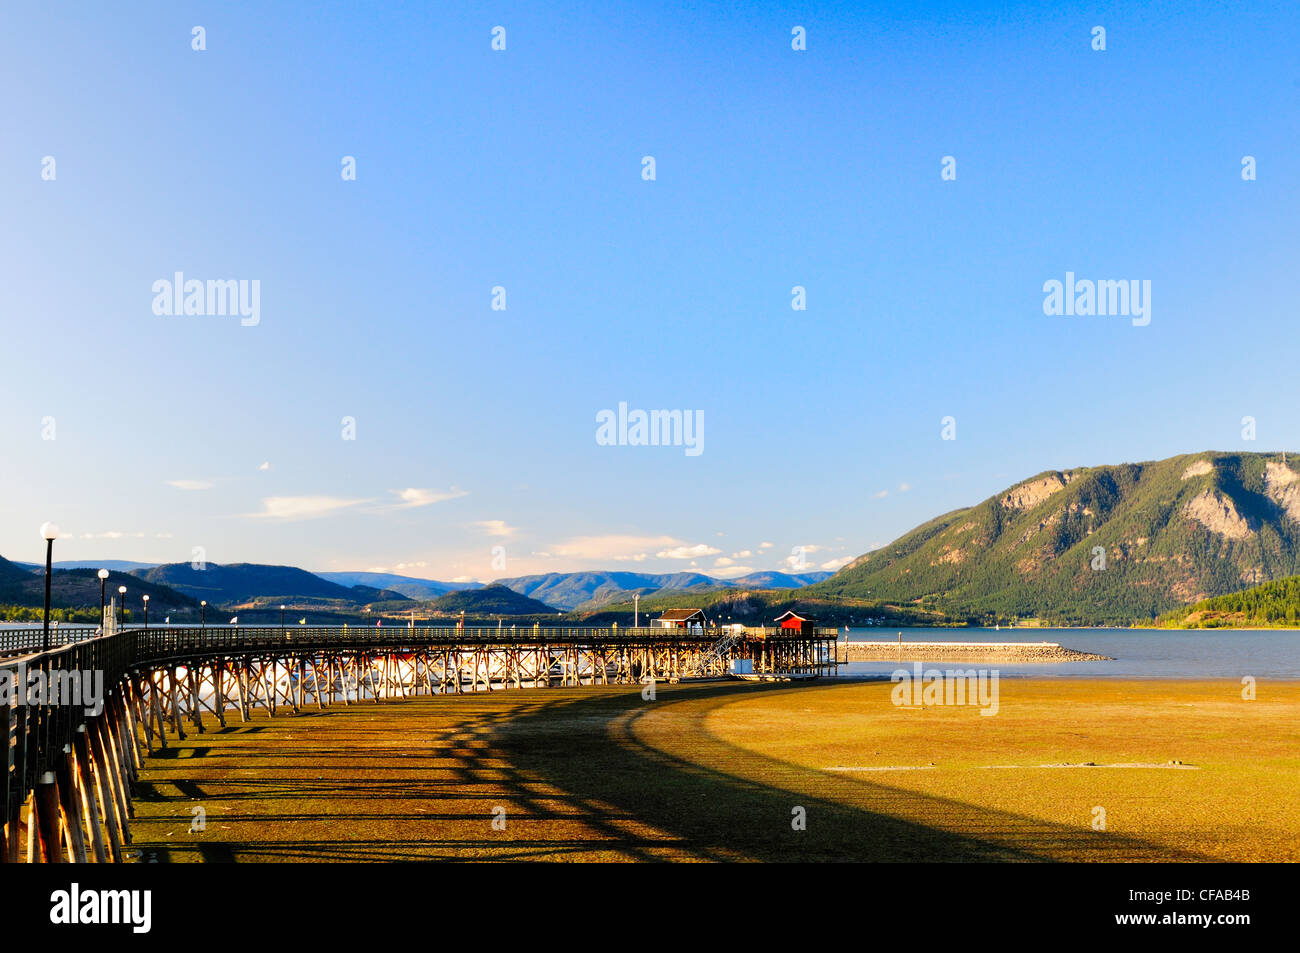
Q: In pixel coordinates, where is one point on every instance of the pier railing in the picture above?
(79, 715)
(161, 641)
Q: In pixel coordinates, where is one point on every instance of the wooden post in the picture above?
(71, 810)
(45, 804)
(104, 785)
(88, 794)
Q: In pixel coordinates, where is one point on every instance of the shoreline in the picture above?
(692, 773)
(1005, 653)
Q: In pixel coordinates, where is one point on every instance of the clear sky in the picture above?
(523, 169)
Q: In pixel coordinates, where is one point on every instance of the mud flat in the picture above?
(988, 652)
(1186, 771)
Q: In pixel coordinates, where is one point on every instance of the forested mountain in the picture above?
(1096, 545)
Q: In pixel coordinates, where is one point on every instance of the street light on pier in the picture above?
(121, 592)
(203, 615)
(103, 578)
(49, 532)
(281, 620)
(146, 611)
(636, 608)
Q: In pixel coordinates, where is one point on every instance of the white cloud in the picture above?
(622, 548)
(904, 487)
(496, 527)
(303, 507)
(688, 552)
(764, 545)
(731, 572)
(833, 564)
(265, 466)
(191, 484)
(881, 495)
(723, 561)
(412, 497)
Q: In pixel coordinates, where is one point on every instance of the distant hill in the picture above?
(1273, 604)
(119, 565)
(12, 573)
(762, 606)
(778, 580)
(79, 589)
(568, 590)
(408, 586)
(592, 589)
(239, 584)
(490, 601)
(1172, 532)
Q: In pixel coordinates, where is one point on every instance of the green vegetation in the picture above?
(490, 601)
(759, 607)
(1031, 551)
(12, 613)
(1273, 604)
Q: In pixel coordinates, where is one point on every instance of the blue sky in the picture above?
(477, 168)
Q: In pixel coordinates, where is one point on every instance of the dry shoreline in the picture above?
(1005, 653)
(1187, 770)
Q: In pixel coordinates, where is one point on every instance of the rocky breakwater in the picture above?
(997, 652)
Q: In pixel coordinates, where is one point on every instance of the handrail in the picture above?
(160, 638)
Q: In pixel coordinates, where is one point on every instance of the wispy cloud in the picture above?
(620, 548)
(496, 527)
(304, 507)
(833, 564)
(881, 495)
(688, 552)
(265, 466)
(191, 484)
(731, 572)
(413, 497)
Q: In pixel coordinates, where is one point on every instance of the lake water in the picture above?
(1138, 653)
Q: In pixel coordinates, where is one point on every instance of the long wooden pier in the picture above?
(74, 753)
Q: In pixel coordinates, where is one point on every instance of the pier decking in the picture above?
(74, 762)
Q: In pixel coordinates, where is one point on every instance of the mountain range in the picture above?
(1095, 545)
(592, 590)
(1113, 544)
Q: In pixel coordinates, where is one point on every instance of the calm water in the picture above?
(1142, 653)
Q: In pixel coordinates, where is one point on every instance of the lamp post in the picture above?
(121, 591)
(281, 620)
(203, 615)
(636, 609)
(103, 578)
(49, 532)
(146, 611)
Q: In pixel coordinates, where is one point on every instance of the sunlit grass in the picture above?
(716, 771)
